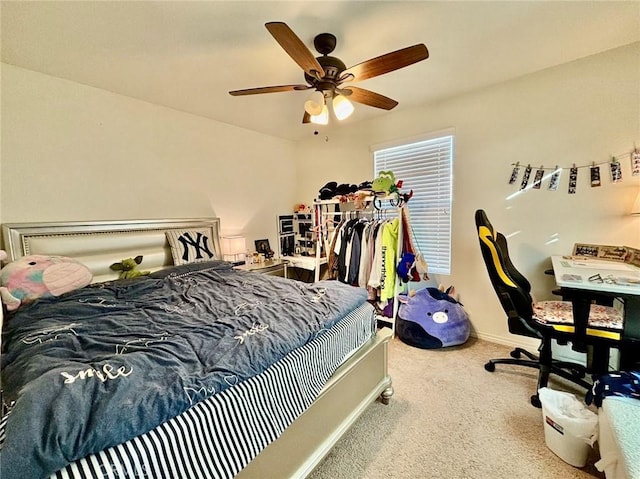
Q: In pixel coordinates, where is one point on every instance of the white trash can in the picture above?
(569, 427)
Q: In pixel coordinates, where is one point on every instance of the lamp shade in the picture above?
(315, 103)
(342, 107)
(636, 206)
(322, 118)
(233, 247)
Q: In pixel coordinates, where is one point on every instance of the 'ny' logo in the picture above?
(200, 244)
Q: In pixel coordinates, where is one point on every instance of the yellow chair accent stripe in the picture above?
(590, 331)
(485, 234)
(603, 334)
(563, 328)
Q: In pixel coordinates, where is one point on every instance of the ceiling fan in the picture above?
(326, 74)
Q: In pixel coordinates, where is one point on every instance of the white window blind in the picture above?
(425, 167)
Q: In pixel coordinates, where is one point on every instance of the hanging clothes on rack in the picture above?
(367, 252)
(417, 269)
(343, 249)
(353, 274)
(363, 248)
(389, 258)
(364, 254)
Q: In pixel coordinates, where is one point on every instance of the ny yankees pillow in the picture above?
(192, 246)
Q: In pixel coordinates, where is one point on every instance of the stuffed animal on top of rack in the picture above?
(386, 184)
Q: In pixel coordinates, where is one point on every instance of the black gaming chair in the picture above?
(513, 291)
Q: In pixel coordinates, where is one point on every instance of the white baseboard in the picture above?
(510, 340)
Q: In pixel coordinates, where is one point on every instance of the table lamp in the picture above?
(234, 248)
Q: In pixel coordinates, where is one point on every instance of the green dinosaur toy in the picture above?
(128, 268)
(385, 183)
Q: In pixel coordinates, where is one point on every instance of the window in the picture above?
(424, 165)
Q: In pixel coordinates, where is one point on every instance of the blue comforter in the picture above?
(106, 363)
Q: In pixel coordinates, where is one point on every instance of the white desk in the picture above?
(304, 262)
(308, 263)
(616, 277)
(584, 279)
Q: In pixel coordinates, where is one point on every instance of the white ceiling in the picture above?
(187, 55)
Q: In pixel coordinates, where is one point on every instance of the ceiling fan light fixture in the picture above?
(315, 103)
(342, 107)
(322, 118)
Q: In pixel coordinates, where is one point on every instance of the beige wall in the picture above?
(72, 152)
(580, 112)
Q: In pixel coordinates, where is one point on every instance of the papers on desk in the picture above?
(621, 280)
(622, 254)
(596, 264)
(612, 279)
(573, 278)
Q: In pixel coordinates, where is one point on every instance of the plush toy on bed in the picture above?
(432, 319)
(39, 276)
(129, 268)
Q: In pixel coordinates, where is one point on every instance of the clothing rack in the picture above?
(374, 207)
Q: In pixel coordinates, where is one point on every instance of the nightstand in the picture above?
(273, 267)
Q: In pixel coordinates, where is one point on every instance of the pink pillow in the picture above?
(39, 276)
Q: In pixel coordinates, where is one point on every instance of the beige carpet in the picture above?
(449, 418)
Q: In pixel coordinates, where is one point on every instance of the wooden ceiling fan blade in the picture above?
(268, 89)
(306, 118)
(370, 98)
(297, 50)
(386, 63)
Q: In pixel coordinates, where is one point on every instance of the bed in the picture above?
(274, 416)
(619, 437)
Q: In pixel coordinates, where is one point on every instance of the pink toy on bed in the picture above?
(39, 276)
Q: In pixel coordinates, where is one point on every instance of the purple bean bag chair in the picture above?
(432, 319)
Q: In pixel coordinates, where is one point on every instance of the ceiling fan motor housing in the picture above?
(332, 67)
(325, 43)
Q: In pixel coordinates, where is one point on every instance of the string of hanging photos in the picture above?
(553, 174)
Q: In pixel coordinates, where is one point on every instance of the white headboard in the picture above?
(99, 244)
